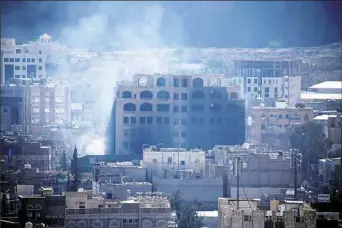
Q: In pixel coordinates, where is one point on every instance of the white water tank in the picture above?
(27, 166)
(29, 225)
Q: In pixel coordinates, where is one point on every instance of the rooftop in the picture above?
(328, 85)
(320, 96)
(324, 117)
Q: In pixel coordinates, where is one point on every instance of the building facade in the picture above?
(34, 105)
(269, 124)
(177, 111)
(269, 80)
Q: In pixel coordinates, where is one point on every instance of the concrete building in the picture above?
(105, 172)
(324, 96)
(34, 105)
(260, 168)
(210, 218)
(269, 124)
(246, 214)
(20, 61)
(177, 111)
(145, 211)
(134, 188)
(166, 163)
(268, 79)
(45, 208)
(20, 151)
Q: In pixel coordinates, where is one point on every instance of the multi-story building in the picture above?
(165, 162)
(83, 210)
(177, 111)
(45, 208)
(19, 61)
(269, 124)
(34, 105)
(268, 79)
(17, 152)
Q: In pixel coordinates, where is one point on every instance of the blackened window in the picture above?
(17, 51)
(17, 67)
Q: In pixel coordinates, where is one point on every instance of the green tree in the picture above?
(310, 140)
(185, 212)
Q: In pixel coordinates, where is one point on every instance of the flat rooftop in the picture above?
(327, 85)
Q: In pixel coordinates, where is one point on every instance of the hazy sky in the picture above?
(199, 24)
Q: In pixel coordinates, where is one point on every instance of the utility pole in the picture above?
(237, 170)
(295, 157)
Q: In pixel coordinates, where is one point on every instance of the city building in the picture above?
(245, 214)
(86, 211)
(268, 79)
(44, 208)
(18, 152)
(169, 162)
(34, 105)
(324, 96)
(269, 124)
(21, 61)
(177, 111)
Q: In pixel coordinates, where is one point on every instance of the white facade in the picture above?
(287, 87)
(174, 159)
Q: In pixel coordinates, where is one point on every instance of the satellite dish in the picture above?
(244, 165)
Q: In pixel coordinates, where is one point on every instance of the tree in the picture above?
(185, 212)
(310, 140)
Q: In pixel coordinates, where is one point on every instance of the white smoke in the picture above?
(136, 33)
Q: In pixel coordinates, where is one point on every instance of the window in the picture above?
(23, 67)
(306, 117)
(166, 120)
(146, 95)
(255, 89)
(175, 109)
(249, 89)
(40, 60)
(176, 121)
(184, 96)
(17, 67)
(197, 83)
(269, 81)
(40, 52)
(154, 160)
(280, 116)
(233, 96)
(159, 120)
(142, 120)
(133, 120)
(183, 134)
(28, 60)
(130, 221)
(161, 82)
(125, 145)
(17, 60)
(11, 60)
(255, 80)
(5, 110)
(29, 214)
(149, 120)
(129, 107)
(175, 82)
(182, 162)
(126, 94)
(33, 60)
(146, 107)
(163, 107)
(125, 120)
(197, 161)
(163, 95)
(37, 214)
(184, 82)
(267, 91)
(247, 218)
(175, 96)
(184, 109)
(248, 80)
(6, 60)
(198, 95)
(169, 160)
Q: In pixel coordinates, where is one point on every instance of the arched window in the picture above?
(154, 160)
(146, 107)
(29, 207)
(198, 95)
(233, 96)
(146, 94)
(215, 95)
(126, 94)
(197, 83)
(163, 95)
(215, 108)
(161, 82)
(129, 107)
(169, 160)
(38, 207)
